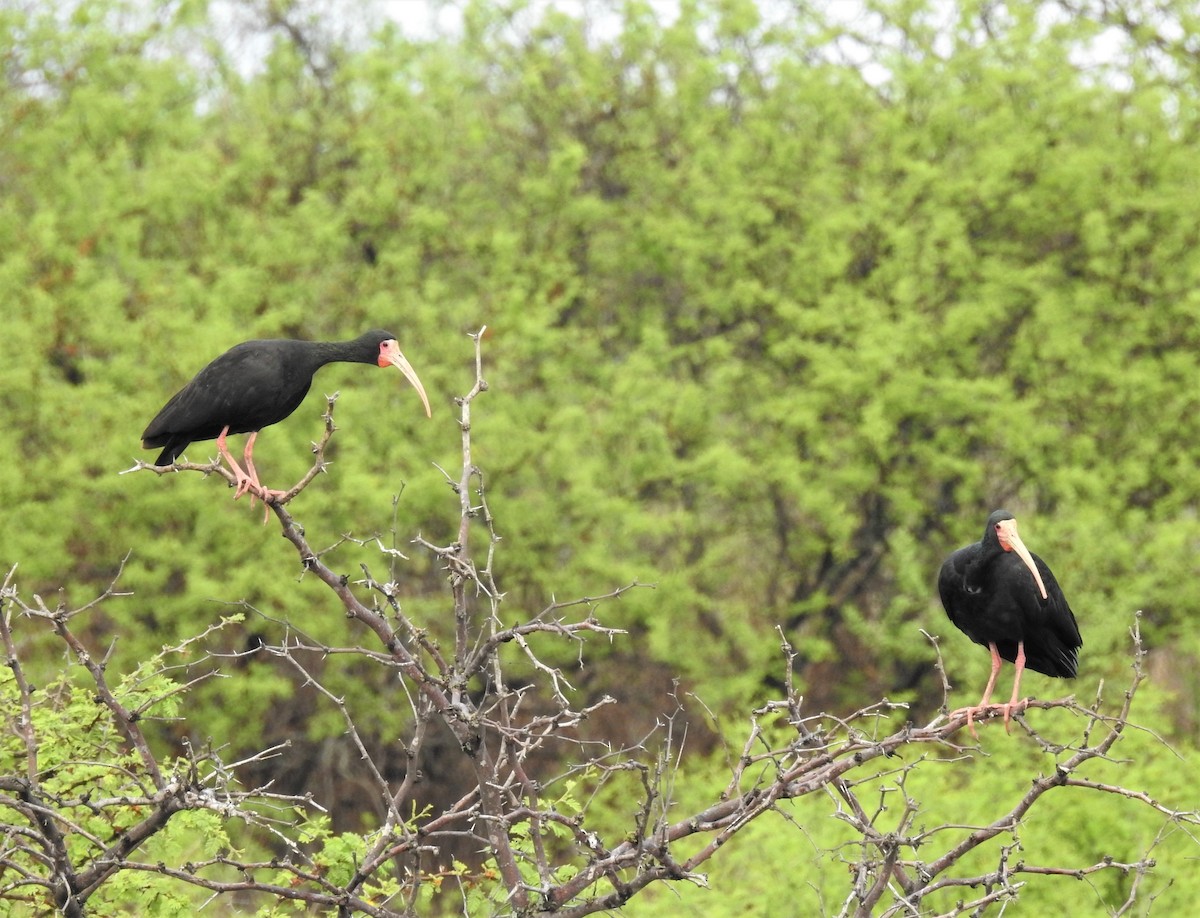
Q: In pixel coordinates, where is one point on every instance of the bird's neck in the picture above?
(321, 353)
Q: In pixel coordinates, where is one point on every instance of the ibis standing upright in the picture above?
(1004, 597)
(256, 384)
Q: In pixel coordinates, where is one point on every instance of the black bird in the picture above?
(1001, 595)
(256, 384)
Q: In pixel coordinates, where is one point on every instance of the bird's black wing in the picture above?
(221, 394)
(1048, 627)
(960, 605)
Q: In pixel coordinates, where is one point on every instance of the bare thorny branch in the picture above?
(532, 827)
(49, 811)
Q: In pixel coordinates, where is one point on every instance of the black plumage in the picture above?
(254, 385)
(1006, 598)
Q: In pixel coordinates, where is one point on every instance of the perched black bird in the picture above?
(1002, 596)
(254, 385)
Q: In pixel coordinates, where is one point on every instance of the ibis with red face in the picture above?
(1004, 597)
(256, 384)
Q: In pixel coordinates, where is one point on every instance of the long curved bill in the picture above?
(393, 356)
(1010, 541)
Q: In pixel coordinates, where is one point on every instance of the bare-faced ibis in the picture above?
(254, 385)
(1005, 597)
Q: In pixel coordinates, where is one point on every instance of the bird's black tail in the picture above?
(172, 451)
(1049, 656)
(1056, 660)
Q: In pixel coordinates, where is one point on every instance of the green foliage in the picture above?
(97, 787)
(190, 836)
(803, 860)
(813, 328)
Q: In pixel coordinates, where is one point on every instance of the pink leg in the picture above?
(1014, 704)
(242, 481)
(264, 492)
(247, 482)
(259, 489)
(987, 692)
(984, 702)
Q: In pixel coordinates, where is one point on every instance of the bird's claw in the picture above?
(1013, 707)
(244, 483)
(267, 495)
(984, 711)
(971, 712)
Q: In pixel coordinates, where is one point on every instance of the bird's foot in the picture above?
(242, 483)
(971, 712)
(267, 495)
(984, 711)
(1013, 707)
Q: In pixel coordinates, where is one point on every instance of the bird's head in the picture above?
(389, 355)
(1003, 528)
